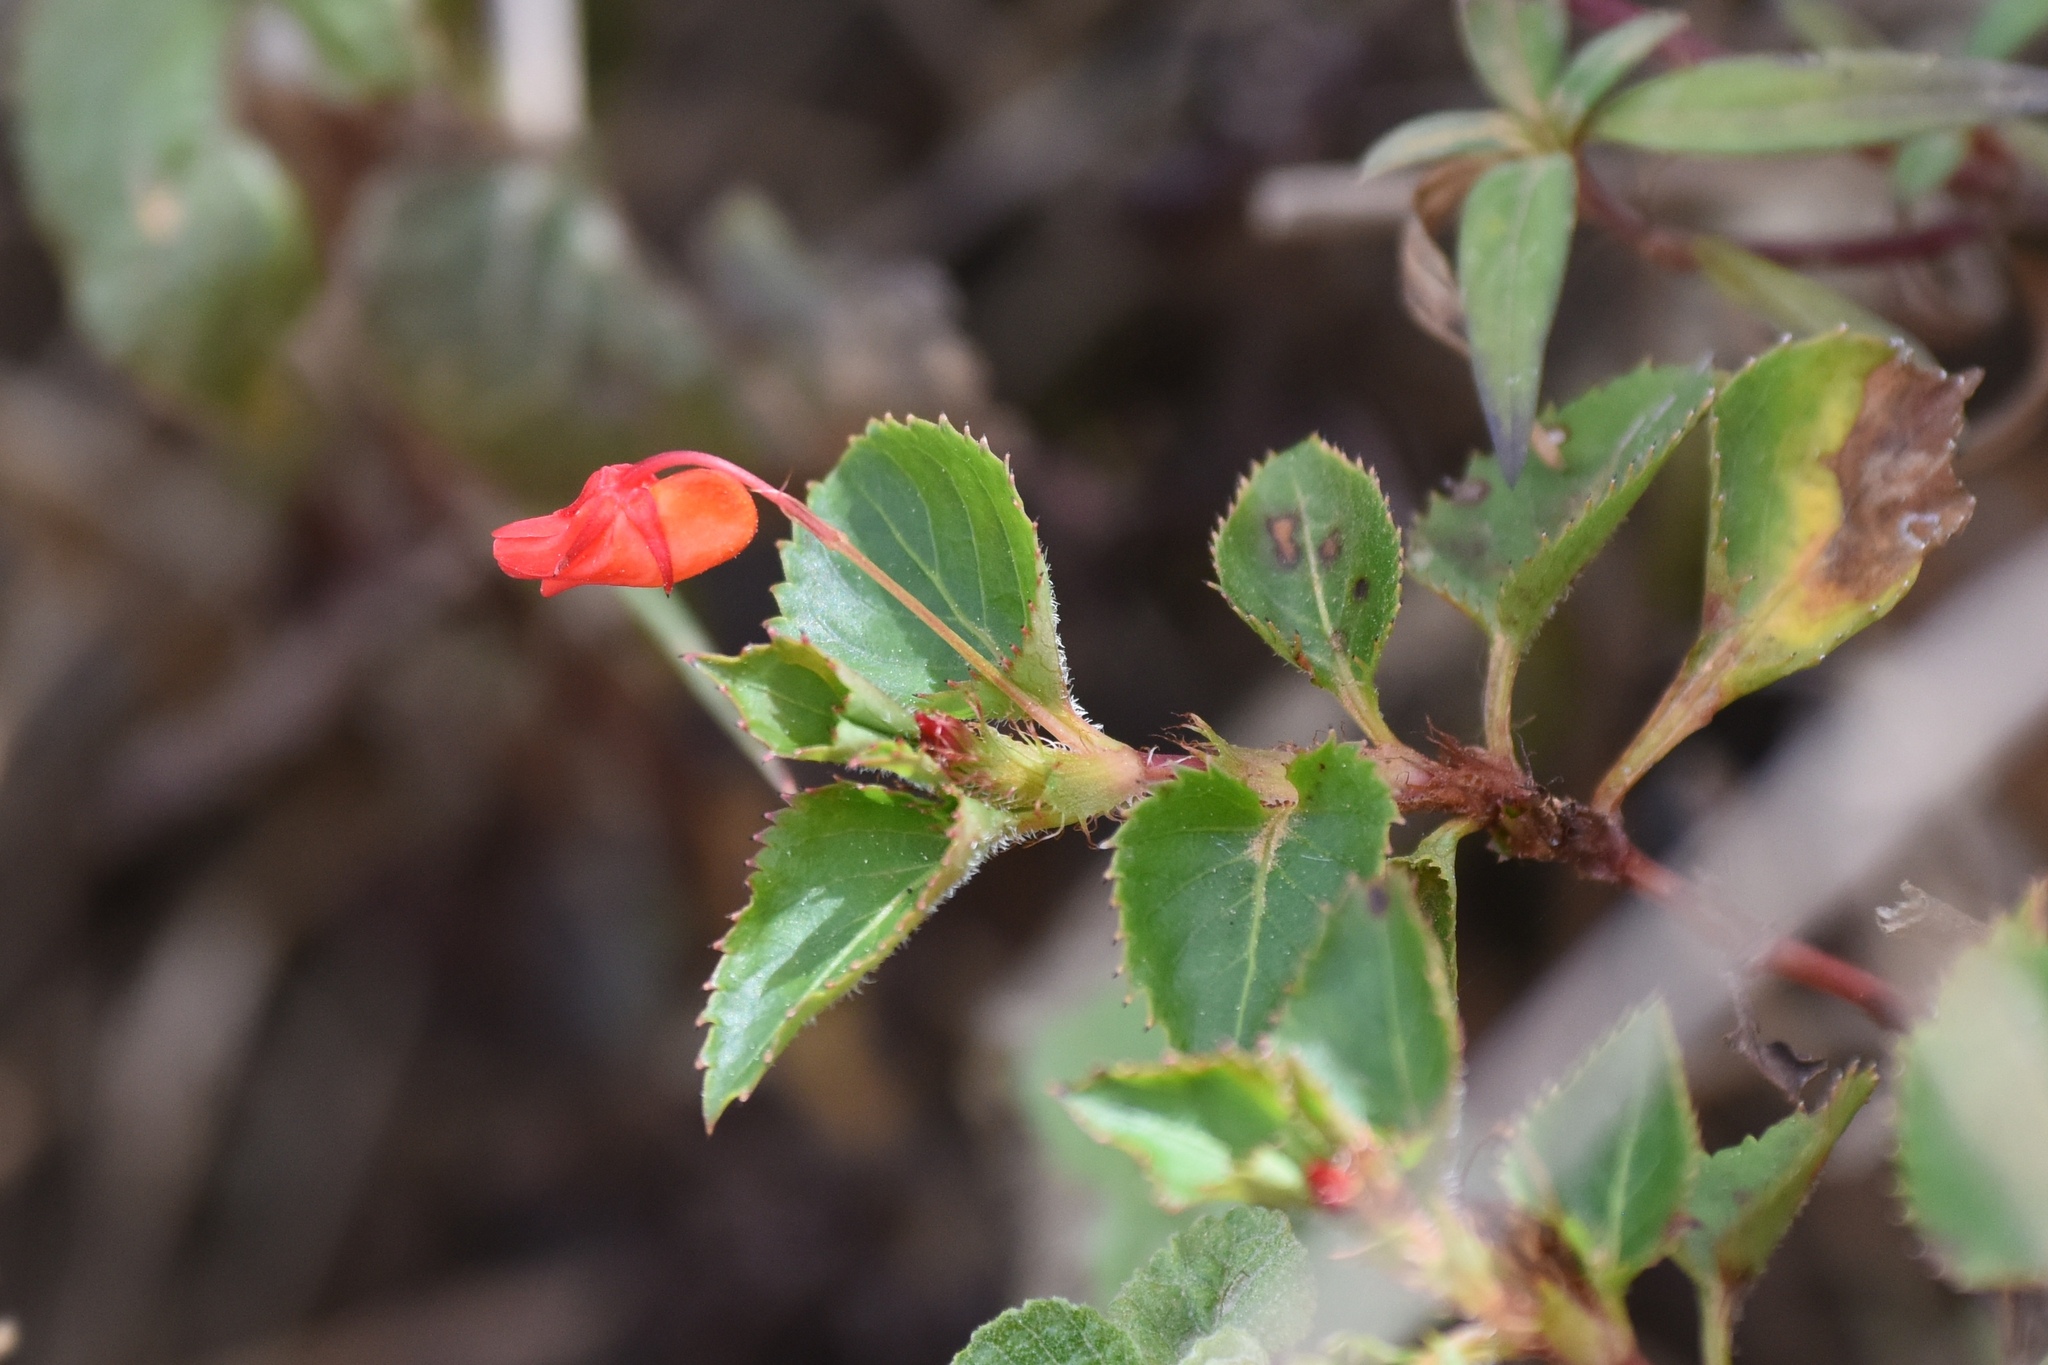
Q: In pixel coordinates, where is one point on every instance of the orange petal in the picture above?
(709, 517)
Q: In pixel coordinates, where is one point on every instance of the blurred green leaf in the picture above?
(1507, 554)
(1310, 558)
(1440, 136)
(1601, 64)
(1049, 1332)
(1240, 1270)
(1373, 1017)
(1216, 1127)
(1796, 303)
(1826, 26)
(1516, 48)
(1434, 865)
(2006, 26)
(802, 704)
(2028, 141)
(1833, 476)
(1609, 1156)
(1222, 896)
(1755, 105)
(185, 246)
(1973, 1106)
(1926, 162)
(938, 512)
(371, 48)
(1746, 1196)
(1513, 242)
(513, 317)
(844, 874)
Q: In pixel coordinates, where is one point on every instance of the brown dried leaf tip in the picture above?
(1900, 495)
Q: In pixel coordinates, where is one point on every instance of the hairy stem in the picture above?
(1068, 729)
(1717, 1324)
(1503, 661)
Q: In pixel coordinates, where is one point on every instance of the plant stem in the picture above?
(1503, 661)
(1717, 1324)
(1069, 729)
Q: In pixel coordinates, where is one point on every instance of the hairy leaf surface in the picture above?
(1610, 1155)
(802, 704)
(1505, 553)
(1310, 558)
(1513, 242)
(1222, 897)
(1049, 1332)
(1373, 1017)
(844, 874)
(1973, 1105)
(937, 511)
(1242, 1269)
(1746, 1196)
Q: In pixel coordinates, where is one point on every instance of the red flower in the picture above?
(631, 528)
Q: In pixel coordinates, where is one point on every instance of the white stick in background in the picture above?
(538, 47)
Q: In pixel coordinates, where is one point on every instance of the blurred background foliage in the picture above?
(355, 903)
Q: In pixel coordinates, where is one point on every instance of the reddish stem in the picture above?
(1919, 244)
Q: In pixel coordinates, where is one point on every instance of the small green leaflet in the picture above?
(1222, 898)
(1926, 162)
(803, 705)
(1795, 303)
(510, 311)
(2006, 26)
(1506, 554)
(1310, 558)
(1609, 1156)
(1440, 136)
(1513, 242)
(1749, 106)
(1239, 1270)
(186, 247)
(1373, 1017)
(1226, 1126)
(1973, 1106)
(1833, 477)
(1746, 1196)
(1516, 48)
(1434, 865)
(1601, 64)
(937, 511)
(370, 48)
(844, 874)
(1049, 1332)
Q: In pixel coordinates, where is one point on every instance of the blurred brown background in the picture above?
(354, 903)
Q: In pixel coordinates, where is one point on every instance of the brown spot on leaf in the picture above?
(1332, 546)
(1900, 495)
(1285, 532)
(1361, 588)
(1376, 900)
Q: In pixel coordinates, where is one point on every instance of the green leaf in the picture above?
(937, 511)
(1049, 1332)
(1222, 897)
(1440, 136)
(1506, 554)
(1601, 64)
(1434, 865)
(1926, 162)
(2006, 26)
(1832, 478)
(371, 48)
(185, 246)
(802, 704)
(1230, 1346)
(1310, 558)
(1609, 1156)
(1799, 304)
(1374, 1018)
(844, 874)
(1516, 48)
(511, 314)
(1746, 1196)
(1513, 242)
(1239, 1270)
(1973, 1105)
(1220, 1127)
(1747, 106)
